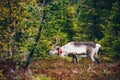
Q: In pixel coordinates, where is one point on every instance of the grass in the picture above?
(57, 68)
(63, 69)
(42, 77)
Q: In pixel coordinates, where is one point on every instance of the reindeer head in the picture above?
(55, 48)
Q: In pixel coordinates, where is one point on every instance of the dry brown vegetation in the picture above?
(62, 69)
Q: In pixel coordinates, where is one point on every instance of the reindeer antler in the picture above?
(57, 42)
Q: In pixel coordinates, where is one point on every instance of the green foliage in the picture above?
(42, 77)
(31, 22)
(89, 20)
(68, 20)
(111, 31)
(55, 22)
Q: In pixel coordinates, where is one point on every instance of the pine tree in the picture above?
(89, 20)
(111, 30)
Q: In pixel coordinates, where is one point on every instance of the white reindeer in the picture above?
(77, 48)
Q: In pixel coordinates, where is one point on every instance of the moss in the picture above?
(42, 77)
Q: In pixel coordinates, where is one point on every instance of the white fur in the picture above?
(77, 50)
(68, 48)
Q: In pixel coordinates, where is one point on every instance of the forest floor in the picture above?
(63, 69)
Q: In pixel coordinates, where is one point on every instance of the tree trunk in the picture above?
(25, 65)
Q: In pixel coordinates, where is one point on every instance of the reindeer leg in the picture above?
(97, 59)
(92, 57)
(74, 58)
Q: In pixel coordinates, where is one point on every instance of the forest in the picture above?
(29, 28)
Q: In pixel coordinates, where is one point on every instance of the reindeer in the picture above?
(74, 49)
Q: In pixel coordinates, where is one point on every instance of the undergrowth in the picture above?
(57, 68)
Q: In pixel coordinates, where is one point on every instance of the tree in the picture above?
(89, 20)
(111, 30)
(9, 17)
(55, 21)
